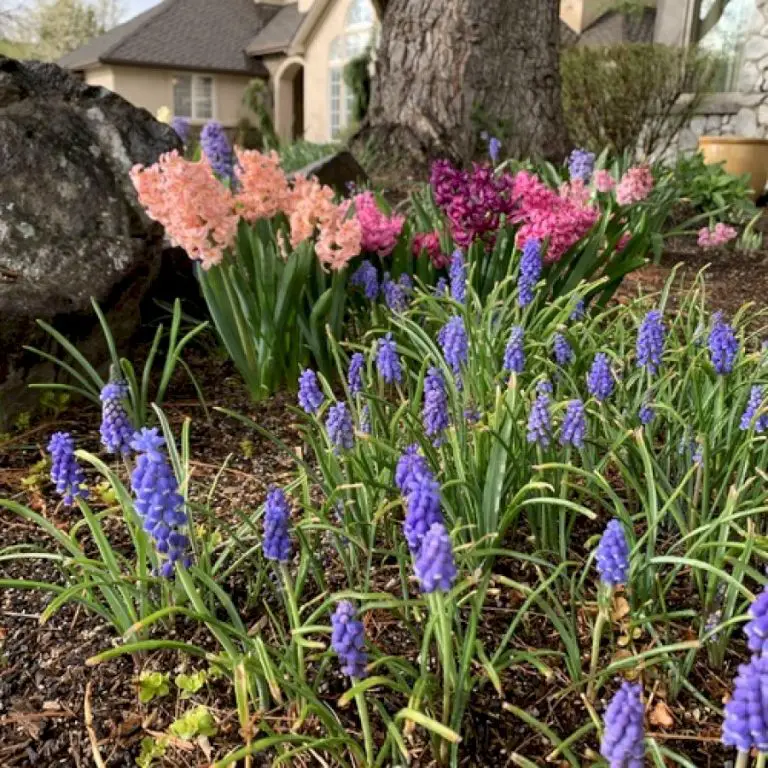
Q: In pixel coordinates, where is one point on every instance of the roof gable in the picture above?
(184, 34)
(278, 34)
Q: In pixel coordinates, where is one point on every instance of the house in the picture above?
(197, 56)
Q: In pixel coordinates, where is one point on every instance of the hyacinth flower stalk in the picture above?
(745, 725)
(612, 562)
(348, 641)
(278, 546)
(436, 573)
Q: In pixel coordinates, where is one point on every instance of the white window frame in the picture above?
(195, 79)
(339, 62)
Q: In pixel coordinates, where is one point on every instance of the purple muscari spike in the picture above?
(182, 127)
(756, 629)
(422, 510)
(458, 276)
(624, 733)
(581, 164)
(514, 354)
(574, 428)
(367, 278)
(387, 361)
(355, 375)
(66, 473)
(697, 447)
(365, 420)
(216, 147)
(578, 311)
(613, 555)
(442, 287)
(472, 414)
(530, 272)
(753, 406)
(453, 339)
(341, 430)
(746, 714)
(409, 466)
(600, 377)
(494, 149)
(723, 345)
(540, 421)
(435, 411)
(646, 413)
(562, 350)
(158, 503)
(650, 342)
(310, 394)
(397, 294)
(348, 640)
(116, 428)
(277, 515)
(434, 566)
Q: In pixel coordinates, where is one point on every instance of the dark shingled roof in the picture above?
(207, 35)
(276, 37)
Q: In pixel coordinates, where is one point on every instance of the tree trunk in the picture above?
(447, 70)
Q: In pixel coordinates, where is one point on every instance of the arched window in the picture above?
(720, 28)
(357, 35)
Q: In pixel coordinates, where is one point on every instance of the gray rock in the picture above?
(698, 124)
(71, 226)
(750, 77)
(337, 171)
(756, 48)
(687, 140)
(745, 123)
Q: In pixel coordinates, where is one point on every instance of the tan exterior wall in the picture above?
(579, 14)
(101, 76)
(316, 71)
(305, 5)
(153, 88)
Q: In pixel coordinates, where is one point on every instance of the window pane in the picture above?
(360, 12)
(337, 49)
(203, 90)
(357, 43)
(182, 96)
(335, 102)
(720, 28)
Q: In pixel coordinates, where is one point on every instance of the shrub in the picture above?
(628, 96)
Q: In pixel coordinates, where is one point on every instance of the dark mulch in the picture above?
(46, 689)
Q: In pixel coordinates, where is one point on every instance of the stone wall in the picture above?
(743, 112)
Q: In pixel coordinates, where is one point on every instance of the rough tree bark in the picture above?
(447, 68)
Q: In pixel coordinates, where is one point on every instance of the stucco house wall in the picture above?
(153, 89)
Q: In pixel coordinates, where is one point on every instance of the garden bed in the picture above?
(53, 707)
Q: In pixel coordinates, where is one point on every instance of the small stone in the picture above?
(750, 77)
(714, 123)
(698, 124)
(756, 48)
(745, 123)
(688, 140)
(762, 114)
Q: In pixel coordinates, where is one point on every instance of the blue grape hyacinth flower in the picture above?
(581, 165)
(650, 342)
(494, 149)
(647, 412)
(410, 465)
(397, 294)
(355, 373)
(116, 428)
(452, 337)
(540, 419)
(66, 473)
(217, 149)
(158, 501)
(341, 430)
(600, 378)
(562, 351)
(422, 510)
(530, 272)
(387, 361)
(748, 419)
(367, 278)
(723, 345)
(434, 567)
(574, 427)
(746, 714)
(613, 555)
(623, 743)
(514, 353)
(457, 274)
(435, 414)
(348, 640)
(756, 629)
(277, 539)
(579, 311)
(311, 396)
(182, 127)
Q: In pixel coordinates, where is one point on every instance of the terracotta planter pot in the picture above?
(740, 155)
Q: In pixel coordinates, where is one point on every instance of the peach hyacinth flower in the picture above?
(262, 189)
